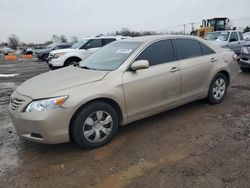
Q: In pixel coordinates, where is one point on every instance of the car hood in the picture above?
(54, 83)
(66, 50)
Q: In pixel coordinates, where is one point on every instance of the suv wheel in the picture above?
(72, 61)
(95, 125)
(217, 89)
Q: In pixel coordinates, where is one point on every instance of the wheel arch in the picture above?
(71, 57)
(226, 74)
(112, 102)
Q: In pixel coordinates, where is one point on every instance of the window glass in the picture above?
(234, 37)
(217, 36)
(106, 41)
(188, 48)
(95, 43)
(80, 44)
(158, 53)
(206, 50)
(110, 57)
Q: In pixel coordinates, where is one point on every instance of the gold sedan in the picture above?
(123, 82)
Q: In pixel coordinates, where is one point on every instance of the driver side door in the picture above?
(148, 91)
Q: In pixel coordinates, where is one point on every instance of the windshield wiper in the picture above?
(85, 67)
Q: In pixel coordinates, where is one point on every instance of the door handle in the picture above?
(213, 60)
(174, 69)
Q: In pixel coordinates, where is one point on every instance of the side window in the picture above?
(233, 37)
(95, 43)
(158, 53)
(61, 47)
(188, 48)
(106, 41)
(241, 36)
(206, 50)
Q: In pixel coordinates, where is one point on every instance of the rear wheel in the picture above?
(72, 61)
(95, 125)
(217, 89)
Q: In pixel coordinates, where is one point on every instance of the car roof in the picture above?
(105, 37)
(157, 37)
(225, 31)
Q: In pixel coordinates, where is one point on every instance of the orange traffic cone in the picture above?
(10, 57)
(27, 56)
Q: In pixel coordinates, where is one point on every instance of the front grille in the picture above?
(16, 103)
(50, 56)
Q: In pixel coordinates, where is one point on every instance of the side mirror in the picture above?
(140, 64)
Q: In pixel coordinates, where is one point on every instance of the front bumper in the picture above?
(59, 62)
(244, 61)
(50, 126)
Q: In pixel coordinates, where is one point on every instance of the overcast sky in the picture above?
(37, 20)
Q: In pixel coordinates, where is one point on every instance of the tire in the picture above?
(244, 69)
(72, 61)
(44, 57)
(95, 125)
(217, 89)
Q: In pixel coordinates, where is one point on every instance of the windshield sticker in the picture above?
(124, 51)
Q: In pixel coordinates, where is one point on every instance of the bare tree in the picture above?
(63, 38)
(74, 39)
(247, 29)
(13, 41)
(55, 38)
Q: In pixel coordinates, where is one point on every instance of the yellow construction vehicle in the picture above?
(213, 24)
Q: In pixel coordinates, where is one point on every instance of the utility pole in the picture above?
(184, 28)
(192, 26)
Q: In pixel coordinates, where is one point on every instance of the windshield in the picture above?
(51, 46)
(217, 36)
(79, 44)
(110, 57)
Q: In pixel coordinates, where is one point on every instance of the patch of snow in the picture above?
(7, 75)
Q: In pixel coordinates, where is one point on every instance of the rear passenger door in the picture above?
(155, 88)
(196, 62)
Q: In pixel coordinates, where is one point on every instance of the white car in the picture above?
(246, 36)
(79, 51)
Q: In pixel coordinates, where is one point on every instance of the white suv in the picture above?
(79, 51)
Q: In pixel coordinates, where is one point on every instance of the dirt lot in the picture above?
(196, 145)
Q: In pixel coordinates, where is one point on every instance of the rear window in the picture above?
(206, 50)
(188, 48)
(109, 40)
(234, 37)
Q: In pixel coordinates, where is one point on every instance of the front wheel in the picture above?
(72, 61)
(95, 125)
(217, 89)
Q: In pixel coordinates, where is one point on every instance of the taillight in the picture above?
(235, 57)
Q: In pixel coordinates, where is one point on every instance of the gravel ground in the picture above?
(196, 145)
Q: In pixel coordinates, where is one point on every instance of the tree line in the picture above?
(14, 42)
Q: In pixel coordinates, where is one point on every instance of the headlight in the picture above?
(245, 50)
(58, 55)
(45, 104)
